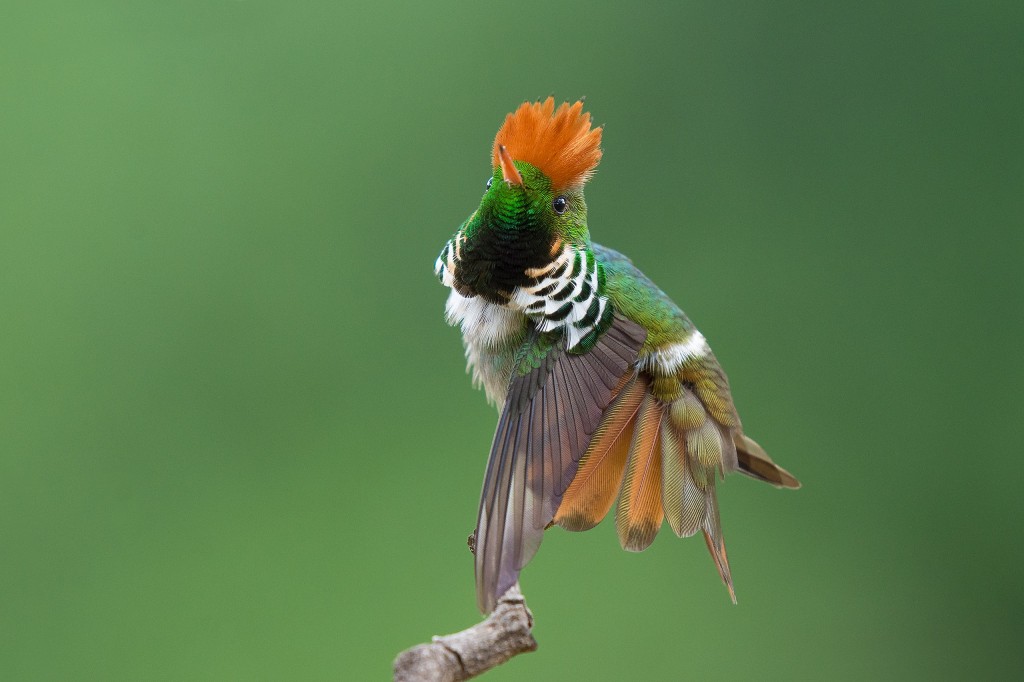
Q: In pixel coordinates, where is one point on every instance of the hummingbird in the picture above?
(605, 389)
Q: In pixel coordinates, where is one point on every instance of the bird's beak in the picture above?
(508, 171)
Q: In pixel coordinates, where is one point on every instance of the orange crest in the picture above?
(560, 143)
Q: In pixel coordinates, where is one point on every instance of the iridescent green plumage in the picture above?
(601, 380)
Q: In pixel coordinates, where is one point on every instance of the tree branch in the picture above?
(460, 656)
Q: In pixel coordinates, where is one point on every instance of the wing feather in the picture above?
(715, 540)
(697, 447)
(755, 462)
(673, 476)
(599, 476)
(546, 424)
(640, 513)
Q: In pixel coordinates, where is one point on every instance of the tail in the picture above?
(755, 462)
(663, 462)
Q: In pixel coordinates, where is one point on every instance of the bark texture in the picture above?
(507, 632)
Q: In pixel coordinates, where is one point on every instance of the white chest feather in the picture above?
(484, 324)
(490, 333)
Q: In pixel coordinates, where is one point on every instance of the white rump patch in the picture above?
(667, 360)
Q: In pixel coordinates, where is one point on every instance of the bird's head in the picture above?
(533, 203)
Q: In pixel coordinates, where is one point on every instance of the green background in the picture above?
(236, 436)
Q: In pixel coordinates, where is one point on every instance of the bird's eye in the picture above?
(488, 184)
(559, 205)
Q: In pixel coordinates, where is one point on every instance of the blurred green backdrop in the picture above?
(236, 438)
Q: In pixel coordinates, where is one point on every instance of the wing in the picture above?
(554, 405)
